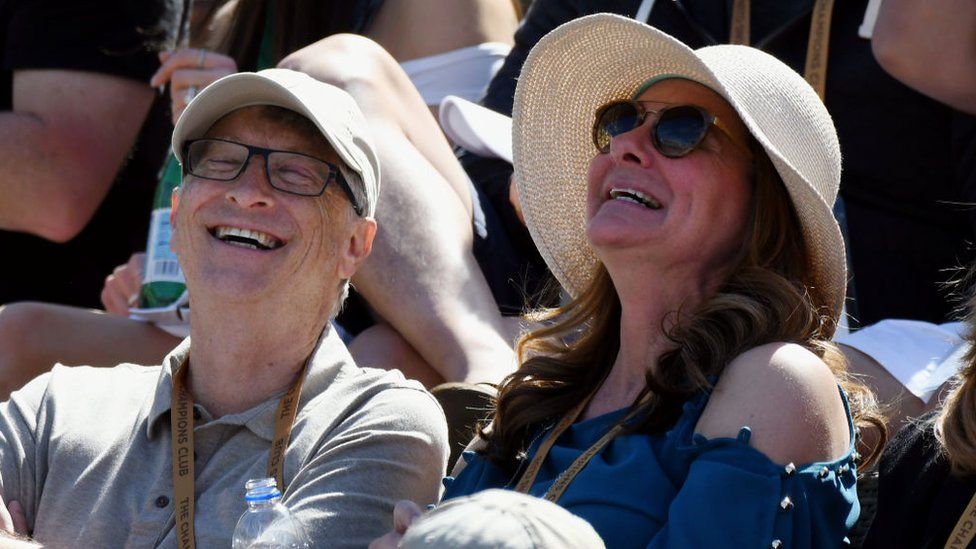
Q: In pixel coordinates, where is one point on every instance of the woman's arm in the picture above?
(789, 399)
(788, 480)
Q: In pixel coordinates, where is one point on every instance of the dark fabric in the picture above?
(511, 264)
(908, 161)
(919, 502)
(515, 272)
(115, 37)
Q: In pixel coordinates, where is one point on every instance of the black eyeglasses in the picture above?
(288, 172)
(676, 132)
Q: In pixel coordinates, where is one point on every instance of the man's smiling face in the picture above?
(243, 240)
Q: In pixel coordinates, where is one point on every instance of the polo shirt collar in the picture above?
(329, 358)
(162, 400)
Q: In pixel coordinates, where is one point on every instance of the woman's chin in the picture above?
(617, 233)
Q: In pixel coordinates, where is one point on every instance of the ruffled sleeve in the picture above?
(734, 496)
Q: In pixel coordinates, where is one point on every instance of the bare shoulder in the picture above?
(789, 399)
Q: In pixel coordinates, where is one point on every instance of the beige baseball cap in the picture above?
(333, 111)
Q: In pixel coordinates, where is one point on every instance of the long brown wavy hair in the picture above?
(769, 296)
(955, 424)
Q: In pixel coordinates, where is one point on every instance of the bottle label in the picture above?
(161, 263)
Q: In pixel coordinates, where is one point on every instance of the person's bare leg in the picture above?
(35, 336)
(383, 347)
(421, 277)
(898, 404)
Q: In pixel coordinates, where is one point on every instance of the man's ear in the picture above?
(357, 247)
(174, 199)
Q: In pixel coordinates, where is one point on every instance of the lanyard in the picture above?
(815, 68)
(965, 528)
(181, 422)
(562, 482)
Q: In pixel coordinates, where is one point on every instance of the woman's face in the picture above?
(697, 206)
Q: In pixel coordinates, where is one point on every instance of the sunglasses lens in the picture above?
(679, 130)
(613, 120)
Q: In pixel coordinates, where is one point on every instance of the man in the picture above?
(75, 98)
(273, 218)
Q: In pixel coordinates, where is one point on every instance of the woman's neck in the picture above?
(644, 325)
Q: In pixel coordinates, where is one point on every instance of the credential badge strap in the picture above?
(181, 423)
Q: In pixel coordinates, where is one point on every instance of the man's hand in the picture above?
(121, 289)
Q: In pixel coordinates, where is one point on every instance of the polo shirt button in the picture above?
(162, 501)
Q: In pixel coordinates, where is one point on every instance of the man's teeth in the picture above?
(636, 197)
(247, 238)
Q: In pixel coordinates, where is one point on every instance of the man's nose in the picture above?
(252, 188)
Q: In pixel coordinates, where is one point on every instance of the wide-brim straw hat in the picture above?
(587, 62)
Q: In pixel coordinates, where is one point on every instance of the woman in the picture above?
(927, 484)
(686, 396)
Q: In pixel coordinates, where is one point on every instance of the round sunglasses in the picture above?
(676, 131)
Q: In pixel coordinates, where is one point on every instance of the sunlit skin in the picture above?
(305, 224)
(244, 301)
(671, 258)
(704, 196)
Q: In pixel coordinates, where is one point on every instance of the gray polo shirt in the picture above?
(87, 451)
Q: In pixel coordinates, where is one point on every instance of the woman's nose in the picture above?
(634, 146)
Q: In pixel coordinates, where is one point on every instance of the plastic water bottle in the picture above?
(267, 523)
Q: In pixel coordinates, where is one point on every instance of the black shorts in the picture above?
(515, 272)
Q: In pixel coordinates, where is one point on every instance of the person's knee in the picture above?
(381, 346)
(20, 325)
(348, 61)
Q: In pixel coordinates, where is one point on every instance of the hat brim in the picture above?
(595, 59)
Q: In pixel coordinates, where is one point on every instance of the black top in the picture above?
(908, 161)
(919, 502)
(117, 37)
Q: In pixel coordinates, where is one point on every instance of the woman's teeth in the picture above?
(636, 197)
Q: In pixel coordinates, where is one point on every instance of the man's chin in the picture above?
(232, 287)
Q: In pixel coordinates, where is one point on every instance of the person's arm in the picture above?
(765, 483)
(18, 453)
(394, 447)
(788, 397)
(931, 47)
(62, 146)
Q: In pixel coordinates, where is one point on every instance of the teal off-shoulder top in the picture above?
(680, 489)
